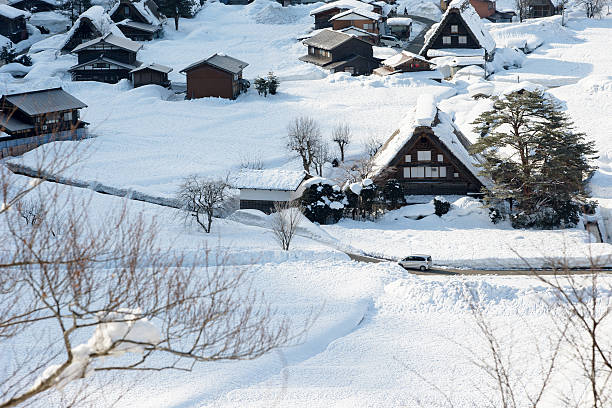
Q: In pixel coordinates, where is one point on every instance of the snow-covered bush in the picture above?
(323, 202)
(441, 205)
(393, 194)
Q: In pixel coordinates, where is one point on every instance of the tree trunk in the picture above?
(176, 21)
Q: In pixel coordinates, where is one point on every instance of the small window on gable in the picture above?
(67, 116)
(424, 155)
(440, 158)
(454, 28)
(408, 158)
(456, 175)
(446, 39)
(462, 39)
(126, 10)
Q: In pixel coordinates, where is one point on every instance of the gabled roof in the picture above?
(154, 67)
(466, 12)
(44, 101)
(401, 58)
(8, 122)
(148, 9)
(352, 30)
(112, 39)
(369, 15)
(12, 12)
(427, 115)
(270, 179)
(100, 20)
(220, 61)
(329, 39)
(149, 28)
(342, 5)
(102, 58)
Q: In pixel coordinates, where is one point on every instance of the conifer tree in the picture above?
(537, 162)
(177, 9)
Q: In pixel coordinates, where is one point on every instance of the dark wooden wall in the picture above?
(353, 46)
(85, 32)
(118, 54)
(454, 19)
(205, 81)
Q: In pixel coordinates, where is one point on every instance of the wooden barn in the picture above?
(428, 155)
(151, 74)
(34, 6)
(540, 8)
(484, 8)
(29, 119)
(340, 52)
(13, 23)
(93, 23)
(105, 59)
(217, 76)
(260, 189)
(460, 39)
(324, 13)
(138, 20)
(404, 62)
(361, 19)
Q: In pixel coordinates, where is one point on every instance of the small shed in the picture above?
(13, 23)
(362, 19)
(260, 189)
(322, 14)
(404, 62)
(400, 27)
(216, 76)
(151, 74)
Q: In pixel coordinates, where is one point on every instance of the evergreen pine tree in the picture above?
(272, 83)
(393, 193)
(262, 86)
(535, 159)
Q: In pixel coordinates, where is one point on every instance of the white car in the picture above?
(390, 41)
(422, 262)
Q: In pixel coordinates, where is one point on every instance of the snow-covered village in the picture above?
(306, 203)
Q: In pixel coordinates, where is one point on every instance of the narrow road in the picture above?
(418, 42)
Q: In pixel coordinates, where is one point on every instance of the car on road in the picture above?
(417, 261)
(390, 41)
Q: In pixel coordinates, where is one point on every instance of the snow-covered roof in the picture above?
(221, 61)
(469, 15)
(425, 114)
(112, 39)
(402, 57)
(342, 5)
(328, 39)
(349, 15)
(352, 30)
(44, 101)
(148, 9)
(149, 28)
(99, 18)
(454, 52)
(152, 66)
(399, 21)
(269, 179)
(11, 12)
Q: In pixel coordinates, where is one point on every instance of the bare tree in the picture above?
(103, 296)
(357, 171)
(522, 6)
(251, 161)
(304, 138)
(286, 219)
(341, 134)
(320, 157)
(592, 8)
(372, 145)
(202, 199)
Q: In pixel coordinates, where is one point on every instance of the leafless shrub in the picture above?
(372, 145)
(320, 157)
(31, 211)
(593, 8)
(357, 171)
(202, 199)
(251, 162)
(341, 134)
(286, 219)
(304, 138)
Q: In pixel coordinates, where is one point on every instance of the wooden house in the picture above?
(460, 39)
(362, 19)
(138, 20)
(105, 59)
(217, 76)
(34, 6)
(540, 8)
(428, 154)
(340, 52)
(324, 13)
(404, 62)
(93, 23)
(260, 189)
(29, 119)
(151, 74)
(484, 8)
(400, 27)
(13, 23)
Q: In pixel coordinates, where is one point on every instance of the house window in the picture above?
(67, 116)
(328, 54)
(442, 172)
(235, 77)
(424, 155)
(367, 26)
(446, 39)
(408, 158)
(440, 158)
(311, 50)
(462, 39)
(350, 70)
(456, 175)
(126, 10)
(101, 65)
(431, 172)
(454, 29)
(417, 172)
(406, 172)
